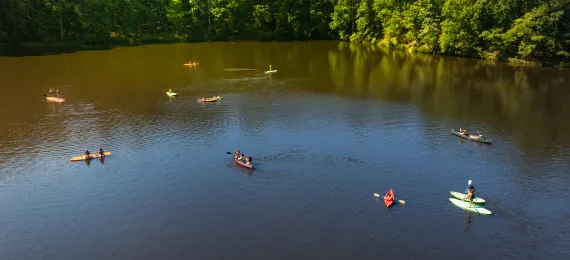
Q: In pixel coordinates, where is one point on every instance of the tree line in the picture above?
(516, 30)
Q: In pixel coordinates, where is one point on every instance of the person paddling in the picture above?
(101, 153)
(86, 155)
(471, 195)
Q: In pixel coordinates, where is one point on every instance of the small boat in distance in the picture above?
(477, 138)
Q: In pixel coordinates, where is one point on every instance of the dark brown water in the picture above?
(335, 125)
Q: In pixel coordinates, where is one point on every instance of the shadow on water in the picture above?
(88, 162)
(468, 219)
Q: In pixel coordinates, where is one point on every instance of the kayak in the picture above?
(465, 205)
(472, 137)
(172, 94)
(91, 156)
(249, 166)
(207, 100)
(271, 71)
(387, 202)
(461, 196)
(55, 99)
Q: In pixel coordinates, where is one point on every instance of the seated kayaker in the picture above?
(248, 160)
(471, 195)
(480, 136)
(237, 153)
(169, 90)
(389, 197)
(101, 153)
(50, 91)
(86, 154)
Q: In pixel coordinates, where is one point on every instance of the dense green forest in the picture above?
(523, 30)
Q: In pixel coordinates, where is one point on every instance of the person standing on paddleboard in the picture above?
(471, 195)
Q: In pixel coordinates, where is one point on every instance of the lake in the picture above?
(337, 123)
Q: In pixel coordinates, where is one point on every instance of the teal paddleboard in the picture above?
(465, 205)
(462, 196)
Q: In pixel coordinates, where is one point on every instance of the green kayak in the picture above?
(461, 196)
(465, 205)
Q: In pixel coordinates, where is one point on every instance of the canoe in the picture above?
(172, 94)
(475, 208)
(249, 166)
(472, 137)
(387, 202)
(461, 196)
(55, 99)
(91, 156)
(207, 100)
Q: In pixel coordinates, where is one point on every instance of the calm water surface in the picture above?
(335, 125)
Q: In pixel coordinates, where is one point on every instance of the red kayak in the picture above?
(389, 201)
(203, 100)
(250, 166)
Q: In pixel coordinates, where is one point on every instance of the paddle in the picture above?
(468, 185)
(399, 201)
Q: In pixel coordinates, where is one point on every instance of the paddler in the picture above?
(50, 91)
(248, 160)
(86, 154)
(169, 90)
(389, 197)
(471, 194)
(101, 153)
(237, 154)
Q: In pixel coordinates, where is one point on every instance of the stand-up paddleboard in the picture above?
(172, 94)
(91, 156)
(462, 196)
(465, 205)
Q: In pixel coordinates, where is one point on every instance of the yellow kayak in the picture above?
(55, 99)
(91, 156)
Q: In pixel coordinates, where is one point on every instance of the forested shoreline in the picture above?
(527, 31)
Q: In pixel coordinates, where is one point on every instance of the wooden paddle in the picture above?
(399, 201)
